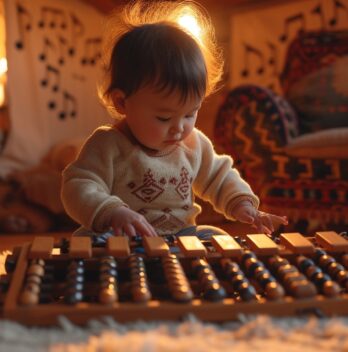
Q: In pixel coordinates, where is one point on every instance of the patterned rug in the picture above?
(248, 333)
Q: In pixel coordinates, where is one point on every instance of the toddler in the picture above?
(140, 176)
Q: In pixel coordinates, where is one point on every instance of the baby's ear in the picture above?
(118, 99)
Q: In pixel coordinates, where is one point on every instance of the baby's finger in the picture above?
(129, 230)
(144, 229)
(267, 222)
(118, 231)
(279, 220)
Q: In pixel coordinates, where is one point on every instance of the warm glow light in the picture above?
(190, 23)
(3, 66)
(3, 70)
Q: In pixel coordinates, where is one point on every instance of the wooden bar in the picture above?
(155, 246)
(191, 246)
(261, 244)
(80, 247)
(227, 246)
(331, 241)
(41, 247)
(118, 246)
(297, 243)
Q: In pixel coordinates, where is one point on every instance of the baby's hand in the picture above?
(125, 221)
(261, 221)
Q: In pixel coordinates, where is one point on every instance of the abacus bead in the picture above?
(29, 298)
(38, 261)
(74, 286)
(304, 263)
(214, 293)
(303, 289)
(107, 295)
(33, 278)
(331, 289)
(141, 294)
(36, 269)
(313, 271)
(74, 297)
(183, 294)
(247, 292)
(274, 291)
(326, 260)
(32, 287)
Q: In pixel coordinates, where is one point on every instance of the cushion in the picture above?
(330, 143)
(321, 98)
(41, 184)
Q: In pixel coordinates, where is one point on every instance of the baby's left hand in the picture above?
(261, 221)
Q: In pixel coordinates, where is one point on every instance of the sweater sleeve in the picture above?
(218, 182)
(88, 181)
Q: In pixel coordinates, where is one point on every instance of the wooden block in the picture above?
(155, 246)
(332, 241)
(296, 243)
(80, 247)
(41, 247)
(191, 246)
(226, 245)
(261, 244)
(118, 246)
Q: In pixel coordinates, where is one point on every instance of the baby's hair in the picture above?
(147, 45)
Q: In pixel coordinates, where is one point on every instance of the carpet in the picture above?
(248, 333)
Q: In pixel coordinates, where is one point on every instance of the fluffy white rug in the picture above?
(253, 334)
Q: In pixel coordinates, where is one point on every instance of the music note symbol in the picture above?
(273, 60)
(51, 74)
(298, 18)
(52, 16)
(91, 51)
(77, 30)
(47, 45)
(319, 11)
(24, 24)
(62, 47)
(249, 53)
(69, 106)
(338, 6)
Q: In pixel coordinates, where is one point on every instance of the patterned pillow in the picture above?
(314, 76)
(321, 97)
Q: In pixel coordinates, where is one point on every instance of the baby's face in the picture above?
(158, 120)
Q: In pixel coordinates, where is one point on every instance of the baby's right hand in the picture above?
(125, 221)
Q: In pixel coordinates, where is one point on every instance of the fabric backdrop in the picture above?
(260, 37)
(53, 51)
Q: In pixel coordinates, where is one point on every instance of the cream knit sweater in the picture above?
(113, 170)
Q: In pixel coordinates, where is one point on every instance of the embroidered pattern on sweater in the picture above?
(149, 190)
(184, 186)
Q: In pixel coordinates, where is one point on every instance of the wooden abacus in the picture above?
(166, 278)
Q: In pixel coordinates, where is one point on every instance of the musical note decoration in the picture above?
(338, 7)
(69, 104)
(24, 24)
(91, 51)
(77, 31)
(318, 10)
(290, 21)
(53, 17)
(51, 77)
(250, 55)
(47, 45)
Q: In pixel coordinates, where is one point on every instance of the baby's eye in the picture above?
(163, 119)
